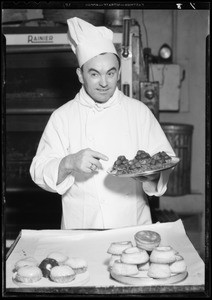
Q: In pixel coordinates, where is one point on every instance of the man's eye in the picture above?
(94, 74)
(111, 74)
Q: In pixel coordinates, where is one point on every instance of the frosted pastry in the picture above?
(117, 247)
(120, 268)
(179, 265)
(134, 255)
(163, 255)
(144, 267)
(59, 257)
(27, 261)
(79, 265)
(112, 259)
(62, 274)
(159, 271)
(147, 239)
(46, 265)
(28, 274)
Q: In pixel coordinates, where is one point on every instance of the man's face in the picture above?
(99, 76)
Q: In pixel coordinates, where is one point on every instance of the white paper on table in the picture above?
(93, 246)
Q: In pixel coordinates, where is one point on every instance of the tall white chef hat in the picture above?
(88, 41)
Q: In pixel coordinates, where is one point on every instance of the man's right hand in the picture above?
(86, 160)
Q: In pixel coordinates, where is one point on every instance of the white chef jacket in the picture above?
(121, 126)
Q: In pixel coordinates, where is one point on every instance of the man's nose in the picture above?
(103, 81)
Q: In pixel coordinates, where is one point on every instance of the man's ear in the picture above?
(119, 73)
(80, 76)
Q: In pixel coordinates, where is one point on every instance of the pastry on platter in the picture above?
(163, 255)
(28, 274)
(27, 261)
(112, 259)
(159, 271)
(147, 239)
(59, 257)
(120, 268)
(62, 274)
(142, 162)
(79, 265)
(144, 266)
(118, 247)
(46, 265)
(134, 255)
(179, 265)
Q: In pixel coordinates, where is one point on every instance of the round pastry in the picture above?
(159, 271)
(144, 267)
(28, 261)
(179, 265)
(112, 259)
(117, 247)
(134, 255)
(28, 274)
(46, 265)
(120, 268)
(59, 257)
(78, 264)
(163, 255)
(62, 274)
(147, 239)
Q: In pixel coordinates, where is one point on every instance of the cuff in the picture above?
(51, 175)
(152, 188)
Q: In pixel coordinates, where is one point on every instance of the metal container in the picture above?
(114, 17)
(180, 138)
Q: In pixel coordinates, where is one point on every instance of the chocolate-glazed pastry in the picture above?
(46, 265)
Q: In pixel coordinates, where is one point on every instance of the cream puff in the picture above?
(117, 248)
(79, 265)
(112, 259)
(163, 255)
(134, 255)
(62, 274)
(27, 261)
(179, 266)
(59, 257)
(120, 268)
(158, 271)
(28, 274)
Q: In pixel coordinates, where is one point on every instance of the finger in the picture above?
(96, 163)
(99, 155)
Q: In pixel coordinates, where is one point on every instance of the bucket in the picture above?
(180, 138)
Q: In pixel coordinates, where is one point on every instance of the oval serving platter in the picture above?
(173, 163)
(143, 279)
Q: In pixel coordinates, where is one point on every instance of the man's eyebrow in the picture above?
(112, 69)
(94, 70)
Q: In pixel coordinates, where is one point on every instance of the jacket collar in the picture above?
(84, 99)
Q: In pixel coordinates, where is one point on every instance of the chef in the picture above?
(84, 137)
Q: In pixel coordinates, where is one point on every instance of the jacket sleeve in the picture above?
(53, 146)
(157, 141)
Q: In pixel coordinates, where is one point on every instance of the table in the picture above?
(92, 246)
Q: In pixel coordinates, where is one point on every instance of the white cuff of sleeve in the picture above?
(152, 188)
(51, 176)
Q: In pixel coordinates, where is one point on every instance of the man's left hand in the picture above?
(152, 177)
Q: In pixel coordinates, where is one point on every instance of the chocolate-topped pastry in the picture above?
(46, 265)
(142, 162)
